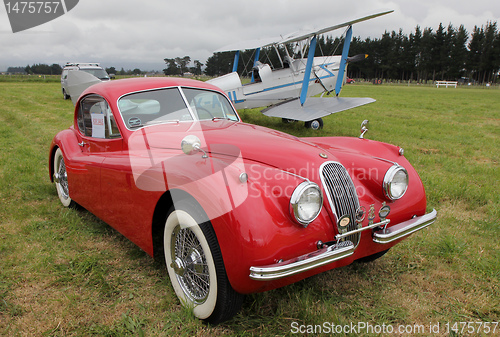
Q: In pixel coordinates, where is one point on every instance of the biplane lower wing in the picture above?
(314, 107)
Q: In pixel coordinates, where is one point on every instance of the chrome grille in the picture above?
(341, 195)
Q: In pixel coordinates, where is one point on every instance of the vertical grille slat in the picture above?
(341, 195)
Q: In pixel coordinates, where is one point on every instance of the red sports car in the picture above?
(233, 208)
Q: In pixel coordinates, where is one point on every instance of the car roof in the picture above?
(83, 67)
(117, 88)
(82, 64)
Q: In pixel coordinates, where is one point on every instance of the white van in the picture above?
(91, 68)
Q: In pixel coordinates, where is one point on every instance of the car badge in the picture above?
(360, 216)
(360, 213)
(384, 211)
(323, 155)
(344, 221)
(371, 214)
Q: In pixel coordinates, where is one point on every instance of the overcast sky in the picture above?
(140, 34)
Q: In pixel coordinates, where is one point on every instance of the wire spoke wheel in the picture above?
(195, 265)
(61, 179)
(190, 265)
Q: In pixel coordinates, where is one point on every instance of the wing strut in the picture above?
(318, 80)
(255, 60)
(343, 61)
(307, 74)
(236, 60)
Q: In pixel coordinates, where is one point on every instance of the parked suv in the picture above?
(91, 68)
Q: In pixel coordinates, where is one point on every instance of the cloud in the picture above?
(140, 34)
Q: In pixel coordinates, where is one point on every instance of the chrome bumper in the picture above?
(404, 228)
(302, 263)
(341, 250)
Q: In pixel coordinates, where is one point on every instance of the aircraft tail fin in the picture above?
(314, 107)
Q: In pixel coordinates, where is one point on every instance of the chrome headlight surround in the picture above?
(306, 203)
(395, 182)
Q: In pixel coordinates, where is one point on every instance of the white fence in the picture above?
(446, 83)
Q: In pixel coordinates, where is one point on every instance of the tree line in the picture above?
(448, 53)
(39, 69)
(445, 54)
(179, 66)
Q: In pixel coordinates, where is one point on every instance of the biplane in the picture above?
(286, 89)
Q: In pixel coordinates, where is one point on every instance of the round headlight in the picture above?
(306, 202)
(395, 182)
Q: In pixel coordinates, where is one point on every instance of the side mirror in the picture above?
(191, 145)
(364, 128)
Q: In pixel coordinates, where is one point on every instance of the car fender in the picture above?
(67, 141)
(260, 230)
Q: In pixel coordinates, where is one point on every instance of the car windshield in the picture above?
(99, 73)
(168, 105)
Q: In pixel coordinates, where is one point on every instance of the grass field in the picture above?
(65, 273)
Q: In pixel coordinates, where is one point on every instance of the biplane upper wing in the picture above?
(293, 37)
(305, 34)
(314, 107)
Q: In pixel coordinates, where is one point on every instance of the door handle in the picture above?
(82, 144)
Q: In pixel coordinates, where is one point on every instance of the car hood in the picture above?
(227, 138)
(302, 156)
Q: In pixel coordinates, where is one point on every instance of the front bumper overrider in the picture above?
(341, 249)
(404, 228)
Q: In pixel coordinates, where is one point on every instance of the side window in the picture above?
(95, 118)
(209, 104)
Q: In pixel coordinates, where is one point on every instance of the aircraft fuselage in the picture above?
(275, 86)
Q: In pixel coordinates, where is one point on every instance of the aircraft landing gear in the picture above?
(315, 124)
(288, 121)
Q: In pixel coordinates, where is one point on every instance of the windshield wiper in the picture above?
(224, 118)
(176, 121)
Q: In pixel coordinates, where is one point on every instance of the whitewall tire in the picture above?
(61, 179)
(195, 266)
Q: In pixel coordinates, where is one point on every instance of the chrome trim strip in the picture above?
(386, 160)
(404, 228)
(302, 263)
(186, 102)
(325, 188)
(378, 224)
